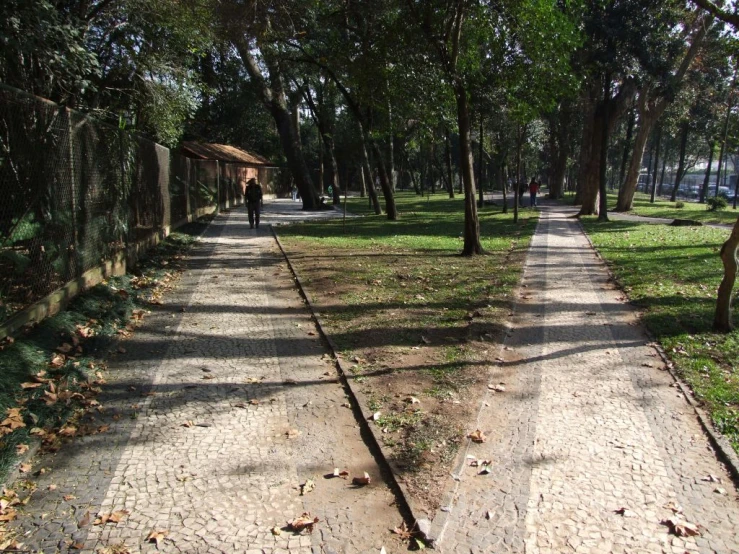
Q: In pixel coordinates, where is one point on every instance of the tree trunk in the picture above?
(722, 317)
(385, 184)
(707, 178)
(626, 194)
(657, 140)
(504, 182)
(662, 173)
(370, 185)
(333, 167)
(681, 162)
(448, 160)
(471, 223)
(603, 208)
(590, 174)
(627, 146)
(480, 164)
(517, 182)
(273, 98)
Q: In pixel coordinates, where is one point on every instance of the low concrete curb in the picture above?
(421, 525)
(721, 446)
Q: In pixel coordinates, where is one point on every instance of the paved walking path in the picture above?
(223, 403)
(220, 407)
(585, 427)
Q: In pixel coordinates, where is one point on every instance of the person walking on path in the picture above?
(254, 201)
(533, 189)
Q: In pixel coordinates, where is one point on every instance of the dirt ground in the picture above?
(422, 367)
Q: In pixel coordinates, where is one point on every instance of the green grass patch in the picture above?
(681, 209)
(89, 326)
(399, 296)
(672, 274)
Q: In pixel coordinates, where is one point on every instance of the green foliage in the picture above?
(679, 205)
(43, 51)
(716, 203)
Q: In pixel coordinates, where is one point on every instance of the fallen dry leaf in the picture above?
(477, 436)
(157, 536)
(113, 517)
(307, 487)
(52, 487)
(68, 497)
(24, 468)
(254, 402)
(276, 531)
(21, 449)
(412, 400)
(31, 385)
(68, 431)
(362, 481)
(85, 521)
(403, 532)
(376, 416)
(681, 528)
(711, 479)
(305, 521)
(8, 514)
(65, 348)
(57, 360)
(189, 423)
(489, 514)
(292, 433)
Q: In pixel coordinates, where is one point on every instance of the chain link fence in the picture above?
(76, 192)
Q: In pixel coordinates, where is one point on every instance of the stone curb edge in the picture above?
(441, 519)
(725, 453)
(431, 531)
(420, 524)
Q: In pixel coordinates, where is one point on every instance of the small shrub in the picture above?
(679, 205)
(716, 204)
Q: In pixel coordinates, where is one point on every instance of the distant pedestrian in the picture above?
(254, 201)
(533, 189)
(294, 191)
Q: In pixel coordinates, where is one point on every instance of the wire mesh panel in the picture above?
(179, 186)
(37, 206)
(74, 192)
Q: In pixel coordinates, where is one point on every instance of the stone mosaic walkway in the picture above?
(220, 407)
(223, 403)
(588, 426)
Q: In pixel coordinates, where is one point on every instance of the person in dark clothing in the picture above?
(533, 190)
(254, 201)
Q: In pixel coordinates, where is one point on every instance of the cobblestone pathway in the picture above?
(220, 406)
(585, 428)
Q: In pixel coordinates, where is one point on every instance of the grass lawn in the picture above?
(52, 372)
(672, 274)
(668, 210)
(414, 317)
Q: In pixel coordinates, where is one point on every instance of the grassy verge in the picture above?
(669, 210)
(672, 274)
(414, 317)
(52, 372)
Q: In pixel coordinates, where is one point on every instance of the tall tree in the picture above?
(655, 95)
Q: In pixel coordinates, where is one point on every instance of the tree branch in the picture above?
(714, 10)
